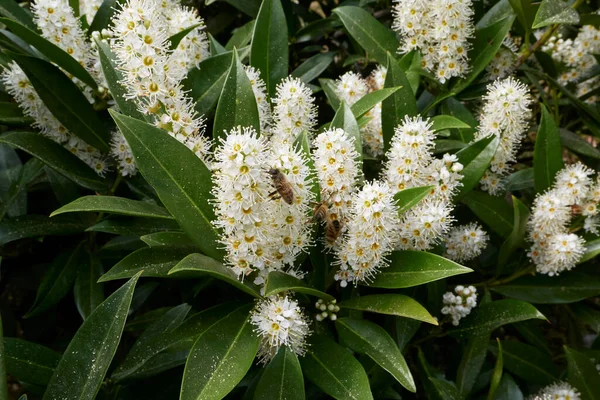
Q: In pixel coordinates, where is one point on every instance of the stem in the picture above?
(514, 276)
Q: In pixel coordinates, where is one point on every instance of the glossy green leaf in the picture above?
(335, 371)
(65, 101)
(401, 104)
(369, 338)
(443, 146)
(408, 198)
(547, 156)
(11, 114)
(592, 249)
(168, 239)
(51, 51)
(216, 48)
(153, 261)
(313, 67)
(187, 196)
(441, 122)
(577, 144)
(344, 118)
(88, 292)
(435, 385)
(328, 86)
(411, 268)
(14, 11)
(370, 100)
(555, 12)
(14, 201)
(33, 225)
(241, 36)
(58, 279)
(508, 389)
(525, 12)
(114, 205)
(522, 179)
(103, 16)
(282, 379)
(56, 157)
(458, 110)
(475, 159)
(175, 39)
(237, 105)
(516, 238)
(198, 265)
(81, 369)
(471, 362)
(278, 282)
(205, 83)
(527, 362)
(28, 361)
(391, 304)
(490, 316)
(220, 357)
(587, 315)
(269, 48)
(134, 226)
(583, 374)
(497, 376)
(493, 211)
(542, 289)
(373, 37)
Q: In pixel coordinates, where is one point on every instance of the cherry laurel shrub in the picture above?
(286, 199)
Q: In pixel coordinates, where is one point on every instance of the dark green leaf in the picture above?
(516, 238)
(344, 118)
(168, 239)
(441, 122)
(497, 376)
(475, 159)
(216, 48)
(577, 144)
(527, 362)
(220, 357)
(186, 195)
(335, 371)
(555, 12)
(81, 369)
(508, 389)
(241, 36)
(370, 100)
(520, 180)
(583, 374)
(547, 158)
(29, 362)
(65, 101)
(33, 225)
(151, 261)
(3, 361)
(11, 9)
(524, 11)
(313, 67)
(494, 211)
(373, 37)
(443, 146)
(56, 157)
(391, 304)
(408, 198)
(103, 15)
(592, 249)
(206, 82)
(134, 226)
(369, 338)
(11, 114)
(282, 378)
(587, 315)
(412, 268)
(456, 109)
(198, 265)
(471, 362)
(114, 205)
(328, 86)
(14, 201)
(88, 293)
(237, 105)
(178, 37)
(278, 282)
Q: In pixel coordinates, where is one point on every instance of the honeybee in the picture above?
(320, 211)
(333, 231)
(283, 188)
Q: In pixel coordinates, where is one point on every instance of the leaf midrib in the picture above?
(331, 374)
(372, 38)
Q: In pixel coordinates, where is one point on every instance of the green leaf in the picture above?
(114, 77)
(401, 104)
(391, 304)
(524, 11)
(237, 105)
(14, 11)
(520, 180)
(570, 287)
(344, 118)
(11, 114)
(58, 279)
(241, 36)
(269, 48)
(493, 211)
(547, 156)
(471, 362)
(186, 195)
(455, 108)
(370, 100)
(282, 378)
(56, 157)
(278, 282)
(175, 39)
(487, 42)
(33, 225)
(198, 265)
(335, 371)
(577, 144)
(373, 37)
(134, 226)
(475, 159)
(490, 316)
(516, 238)
(508, 389)
(81, 369)
(592, 249)
(88, 292)
(151, 261)
(368, 338)
(14, 201)
(103, 15)
(555, 12)
(328, 86)
(497, 376)
(441, 122)
(29, 362)
(587, 315)
(3, 359)
(527, 362)
(114, 205)
(408, 198)
(411, 268)
(583, 374)
(65, 101)
(313, 67)
(168, 239)
(220, 357)
(51, 51)
(205, 83)
(215, 47)
(437, 388)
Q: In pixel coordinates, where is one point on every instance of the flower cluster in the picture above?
(121, 152)
(153, 73)
(89, 8)
(193, 47)
(279, 321)
(262, 100)
(504, 62)
(506, 115)
(294, 110)
(327, 309)
(350, 88)
(554, 248)
(465, 242)
(459, 305)
(440, 29)
(557, 391)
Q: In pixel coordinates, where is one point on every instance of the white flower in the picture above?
(504, 62)
(262, 100)
(372, 133)
(350, 88)
(89, 8)
(294, 110)
(424, 224)
(120, 150)
(465, 242)
(573, 183)
(279, 321)
(557, 391)
(460, 305)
